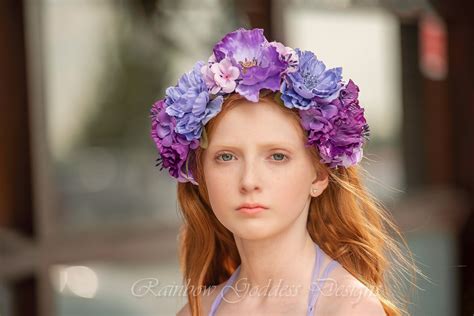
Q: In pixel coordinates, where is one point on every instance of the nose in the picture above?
(249, 179)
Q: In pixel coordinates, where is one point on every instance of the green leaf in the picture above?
(278, 99)
(203, 142)
(265, 92)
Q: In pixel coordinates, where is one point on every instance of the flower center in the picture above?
(248, 64)
(309, 79)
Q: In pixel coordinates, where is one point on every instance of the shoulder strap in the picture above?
(317, 286)
(316, 268)
(221, 294)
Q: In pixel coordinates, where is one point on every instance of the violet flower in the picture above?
(258, 62)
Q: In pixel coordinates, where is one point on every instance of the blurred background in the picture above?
(86, 220)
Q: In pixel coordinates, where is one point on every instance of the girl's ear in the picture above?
(320, 183)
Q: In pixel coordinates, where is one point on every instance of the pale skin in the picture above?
(257, 155)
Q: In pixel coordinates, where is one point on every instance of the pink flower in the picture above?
(208, 75)
(225, 75)
(220, 75)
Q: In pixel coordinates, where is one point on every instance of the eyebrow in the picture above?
(263, 145)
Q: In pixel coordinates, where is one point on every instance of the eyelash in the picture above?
(285, 156)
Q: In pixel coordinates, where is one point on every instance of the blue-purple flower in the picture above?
(338, 128)
(259, 63)
(311, 84)
(190, 104)
(172, 147)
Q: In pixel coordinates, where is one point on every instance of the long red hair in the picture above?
(347, 223)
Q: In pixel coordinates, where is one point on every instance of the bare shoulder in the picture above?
(207, 296)
(344, 294)
(362, 301)
(184, 311)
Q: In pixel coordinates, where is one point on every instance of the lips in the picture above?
(251, 208)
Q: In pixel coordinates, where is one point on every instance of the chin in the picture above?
(252, 232)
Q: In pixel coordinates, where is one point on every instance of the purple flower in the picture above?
(259, 63)
(311, 83)
(189, 103)
(288, 55)
(173, 148)
(338, 128)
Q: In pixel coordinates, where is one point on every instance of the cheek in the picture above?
(216, 191)
(217, 184)
(291, 187)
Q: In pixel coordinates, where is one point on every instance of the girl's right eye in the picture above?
(225, 156)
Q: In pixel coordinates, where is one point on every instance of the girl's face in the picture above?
(256, 154)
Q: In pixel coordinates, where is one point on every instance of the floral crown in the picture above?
(244, 62)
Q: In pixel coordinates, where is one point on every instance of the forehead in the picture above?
(263, 122)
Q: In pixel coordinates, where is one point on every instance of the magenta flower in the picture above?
(172, 147)
(338, 129)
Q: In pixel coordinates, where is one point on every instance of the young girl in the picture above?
(265, 143)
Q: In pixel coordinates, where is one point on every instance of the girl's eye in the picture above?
(225, 156)
(279, 156)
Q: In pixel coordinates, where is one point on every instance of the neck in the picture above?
(285, 259)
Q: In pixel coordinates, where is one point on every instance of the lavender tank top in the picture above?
(314, 290)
